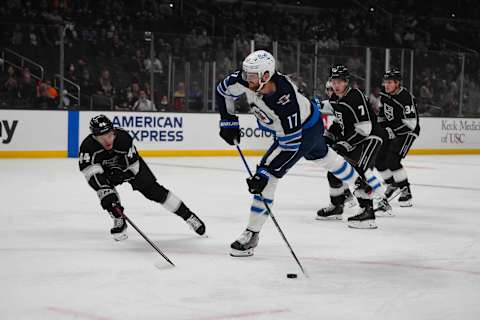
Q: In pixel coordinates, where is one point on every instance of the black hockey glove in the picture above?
(230, 130)
(258, 182)
(343, 148)
(335, 129)
(329, 138)
(118, 176)
(110, 202)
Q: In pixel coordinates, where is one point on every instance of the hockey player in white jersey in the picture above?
(298, 132)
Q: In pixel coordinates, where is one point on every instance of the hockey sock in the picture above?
(339, 167)
(400, 177)
(374, 182)
(387, 176)
(258, 211)
(337, 189)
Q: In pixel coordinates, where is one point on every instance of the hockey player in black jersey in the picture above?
(354, 134)
(108, 158)
(398, 115)
(298, 133)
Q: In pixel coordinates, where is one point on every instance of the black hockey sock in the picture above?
(183, 212)
(402, 184)
(390, 181)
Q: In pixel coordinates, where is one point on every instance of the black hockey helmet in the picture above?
(393, 74)
(100, 125)
(339, 71)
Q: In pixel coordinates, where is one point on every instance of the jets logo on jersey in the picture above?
(284, 99)
(261, 116)
(388, 111)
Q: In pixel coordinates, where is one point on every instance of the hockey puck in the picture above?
(291, 275)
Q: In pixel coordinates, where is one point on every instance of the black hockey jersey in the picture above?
(399, 112)
(354, 115)
(94, 161)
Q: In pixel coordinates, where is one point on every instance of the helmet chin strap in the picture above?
(261, 84)
(260, 87)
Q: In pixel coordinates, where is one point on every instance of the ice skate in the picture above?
(350, 200)
(119, 229)
(405, 199)
(392, 192)
(382, 208)
(196, 224)
(245, 244)
(332, 212)
(365, 219)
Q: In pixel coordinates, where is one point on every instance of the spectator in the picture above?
(87, 87)
(10, 84)
(262, 40)
(27, 90)
(157, 65)
(105, 86)
(143, 103)
(133, 93)
(72, 73)
(17, 36)
(46, 97)
(179, 97)
(195, 97)
(137, 61)
(426, 92)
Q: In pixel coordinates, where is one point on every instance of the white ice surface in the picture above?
(58, 261)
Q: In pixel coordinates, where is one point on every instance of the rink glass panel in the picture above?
(186, 70)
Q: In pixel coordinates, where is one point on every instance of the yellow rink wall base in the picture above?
(211, 153)
(33, 154)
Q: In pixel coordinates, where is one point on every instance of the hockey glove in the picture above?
(258, 182)
(329, 138)
(230, 130)
(110, 202)
(343, 148)
(335, 129)
(391, 134)
(118, 176)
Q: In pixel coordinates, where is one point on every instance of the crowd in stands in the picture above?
(108, 53)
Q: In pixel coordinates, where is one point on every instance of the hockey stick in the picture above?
(146, 239)
(272, 216)
(396, 194)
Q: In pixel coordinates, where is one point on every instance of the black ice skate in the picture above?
(350, 200)
(196, 224)
(382, 208)
(244, 245)
(365, 219)
(392, 191)
(119, 230)
(405, 199)
(332, 212)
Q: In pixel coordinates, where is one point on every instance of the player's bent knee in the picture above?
(156, 192)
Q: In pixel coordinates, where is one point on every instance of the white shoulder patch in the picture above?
(364, 128)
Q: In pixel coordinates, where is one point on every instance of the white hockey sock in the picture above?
(339, 167)
(172, 203)
(335, 192)
(374, 182)
(400, 175)
(387, 174)
(258, 211)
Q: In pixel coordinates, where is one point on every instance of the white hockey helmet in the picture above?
(259, 62)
